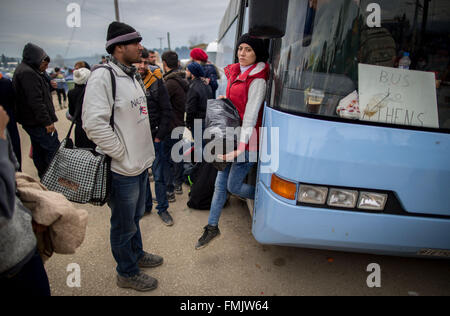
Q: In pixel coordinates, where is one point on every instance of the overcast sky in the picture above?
(43, 22)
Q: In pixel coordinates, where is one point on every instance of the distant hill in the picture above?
(70, 62)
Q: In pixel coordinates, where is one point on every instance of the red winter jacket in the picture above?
(238, 92)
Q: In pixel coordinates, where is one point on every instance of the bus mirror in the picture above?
(267, 18)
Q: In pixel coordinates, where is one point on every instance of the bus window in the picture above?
(226, 54)
(317, 62)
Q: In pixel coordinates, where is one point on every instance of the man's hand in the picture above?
(50, 128)
(221, 97)
(157, 140)
(54, 84)
(4, 119)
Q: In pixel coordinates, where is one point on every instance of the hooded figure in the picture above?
(34, 105)
(34, 101)
(197, 96)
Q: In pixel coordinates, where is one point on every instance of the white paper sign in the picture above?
(398, 96)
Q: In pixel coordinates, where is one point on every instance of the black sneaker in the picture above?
(178, 189)
(171, 197)
(209, 234)
(150, 261)
(166, 218)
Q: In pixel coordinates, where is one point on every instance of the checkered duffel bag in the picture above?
(81, 175)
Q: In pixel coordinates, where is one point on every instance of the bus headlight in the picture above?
(312, 194)
(372, 201)
(342, 198)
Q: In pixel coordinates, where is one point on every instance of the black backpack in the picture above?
(202, 190)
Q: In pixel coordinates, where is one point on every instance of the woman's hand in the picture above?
(221, 97)
(230, 156)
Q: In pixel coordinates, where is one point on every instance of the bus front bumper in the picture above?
(277, 222)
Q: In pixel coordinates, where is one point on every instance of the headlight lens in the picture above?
(342, 198)
(312, 194)
(372, 201)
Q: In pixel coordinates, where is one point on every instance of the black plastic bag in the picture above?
(222, 122)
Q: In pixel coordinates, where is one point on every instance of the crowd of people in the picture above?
(149, 103)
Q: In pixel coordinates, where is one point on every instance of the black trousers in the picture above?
(60, 92)
(44, 147)
(32, 280)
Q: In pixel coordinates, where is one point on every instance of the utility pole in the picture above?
(168, 39)
(116, 5)
(160, 43)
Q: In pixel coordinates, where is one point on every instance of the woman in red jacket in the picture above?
(246, 89)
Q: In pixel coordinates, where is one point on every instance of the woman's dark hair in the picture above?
(82, 64)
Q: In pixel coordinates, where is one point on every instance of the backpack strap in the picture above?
(113, 84)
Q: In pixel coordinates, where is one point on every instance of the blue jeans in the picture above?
(176, 168)
(161, 174)
(148, 198)
(232, 180)
(44, 147)
(127, 205)
(167, 145)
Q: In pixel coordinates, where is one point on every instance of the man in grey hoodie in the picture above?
(21, 269)
(129, 144)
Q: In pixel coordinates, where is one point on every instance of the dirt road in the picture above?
(233, 265)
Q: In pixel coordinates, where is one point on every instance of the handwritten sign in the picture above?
(398, 96)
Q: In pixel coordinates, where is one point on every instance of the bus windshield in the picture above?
(383, 62)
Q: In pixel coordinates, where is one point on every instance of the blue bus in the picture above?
(359, 95)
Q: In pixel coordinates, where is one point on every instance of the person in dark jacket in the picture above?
(197, 97)
(177, 86)
(161, 117)
(7, 100)
(76, 97)
(200, 57)
(61, 87)
(34, 105)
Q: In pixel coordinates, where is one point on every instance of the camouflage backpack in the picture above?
(377, 47)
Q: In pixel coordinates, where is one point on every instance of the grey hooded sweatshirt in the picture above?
(17, 239)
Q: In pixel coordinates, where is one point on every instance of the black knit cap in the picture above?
(121, 34)
(258, 46)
